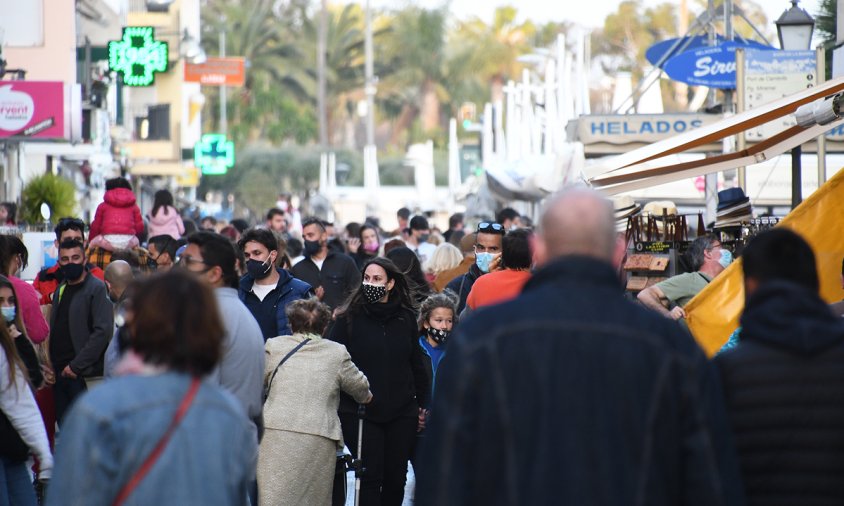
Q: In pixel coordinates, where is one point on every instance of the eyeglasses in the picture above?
(188, 261)
(485, 226)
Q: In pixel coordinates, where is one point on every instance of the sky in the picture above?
(562, 10)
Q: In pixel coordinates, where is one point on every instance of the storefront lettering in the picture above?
(643, 127)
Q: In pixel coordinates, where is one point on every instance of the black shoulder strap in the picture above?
(283, 360)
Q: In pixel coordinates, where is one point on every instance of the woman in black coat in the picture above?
(377, 324)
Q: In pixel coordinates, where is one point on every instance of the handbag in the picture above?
(283, 360)
(145, 468)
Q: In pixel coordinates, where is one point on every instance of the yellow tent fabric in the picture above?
(714, 313)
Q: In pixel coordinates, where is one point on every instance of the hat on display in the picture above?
(731, 197)
(657, 207)
(624, 207)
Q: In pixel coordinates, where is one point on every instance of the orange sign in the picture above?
(217, 72)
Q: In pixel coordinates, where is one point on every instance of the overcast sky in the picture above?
(561, 10)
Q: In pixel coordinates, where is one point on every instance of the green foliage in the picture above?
(825, 20)
(56, 191)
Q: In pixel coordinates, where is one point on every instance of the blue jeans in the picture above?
(15, 484)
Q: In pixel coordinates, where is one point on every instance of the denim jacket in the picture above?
(110, 431)
(571, 394)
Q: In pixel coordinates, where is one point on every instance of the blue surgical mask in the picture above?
(8, 313)
(483, 260)
(726, 258)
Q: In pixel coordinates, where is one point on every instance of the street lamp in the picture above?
(795, 28)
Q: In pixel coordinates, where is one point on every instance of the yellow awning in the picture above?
(158, 169)
(714, 313)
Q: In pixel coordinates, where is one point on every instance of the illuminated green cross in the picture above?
(214, 154)
(138, 55)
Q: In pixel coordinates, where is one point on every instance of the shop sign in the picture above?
(217, 72)
(710, 66)
(214, 154)
(638, 128)
(138, 56)
(653, 247)
(660, 49)
(39, 110)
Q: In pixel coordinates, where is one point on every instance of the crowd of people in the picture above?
(161, 362)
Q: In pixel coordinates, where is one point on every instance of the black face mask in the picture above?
(374, 293)
(258, 269)
(312, 248)
(439, 336)
(72, 272)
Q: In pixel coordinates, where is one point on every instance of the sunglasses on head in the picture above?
(485, 226)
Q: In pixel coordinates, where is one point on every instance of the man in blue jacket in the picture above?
(571, 394)
(266, 289)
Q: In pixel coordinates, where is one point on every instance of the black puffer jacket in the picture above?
(784, 386)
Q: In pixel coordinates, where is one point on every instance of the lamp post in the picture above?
(794, 29)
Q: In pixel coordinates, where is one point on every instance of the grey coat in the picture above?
(305, 393)
(91, 325)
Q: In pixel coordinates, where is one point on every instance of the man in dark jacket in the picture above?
(265, 289)
(487, 249)
(81, 324)
(570, 394)
(783, 382)
(332, 275)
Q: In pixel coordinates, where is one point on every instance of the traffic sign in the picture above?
(214, 154)
(138, 56)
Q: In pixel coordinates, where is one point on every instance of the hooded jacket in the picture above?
(270, 312)
(166, 222)
(784, 387)
(118, 214)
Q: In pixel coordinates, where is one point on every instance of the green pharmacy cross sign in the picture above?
(214, 154)
(138, 56)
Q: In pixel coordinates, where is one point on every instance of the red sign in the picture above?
(217, 72)
(31, 109)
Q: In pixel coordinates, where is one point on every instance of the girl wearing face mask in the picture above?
(10, 309)
(437, 317)
(367, 246)
(377, 324)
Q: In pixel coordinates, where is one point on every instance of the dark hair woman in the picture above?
(14, 257)
(407, 261)
(164, 218)
(160, 407)
(365, 245)
(377, 324)
(21, 427)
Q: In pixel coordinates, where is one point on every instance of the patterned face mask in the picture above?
(440, 336)
(374, 293)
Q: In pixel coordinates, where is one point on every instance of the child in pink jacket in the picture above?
(117, 221)
(164, 218)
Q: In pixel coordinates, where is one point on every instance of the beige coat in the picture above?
(305, 393)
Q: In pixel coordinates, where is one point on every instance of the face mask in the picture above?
(312, 248)
(8, 313)
(372, 248)
(438, 335)
(258, 269)
(424, 237)
(483, 260)
(72, 272)
(726, 258)
(374, 293)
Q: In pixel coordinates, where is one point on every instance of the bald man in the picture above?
(118, 275)
(571, 394)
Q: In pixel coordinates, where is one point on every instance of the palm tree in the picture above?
(494, 49)
(413, 58)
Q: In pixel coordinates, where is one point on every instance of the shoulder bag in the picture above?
(145, 468)
(283, 360)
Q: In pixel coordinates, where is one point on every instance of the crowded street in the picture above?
(273, 253)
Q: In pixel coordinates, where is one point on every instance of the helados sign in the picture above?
(710, 66)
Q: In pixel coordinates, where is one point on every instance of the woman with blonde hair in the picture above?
(303, 379)
(447, 256)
